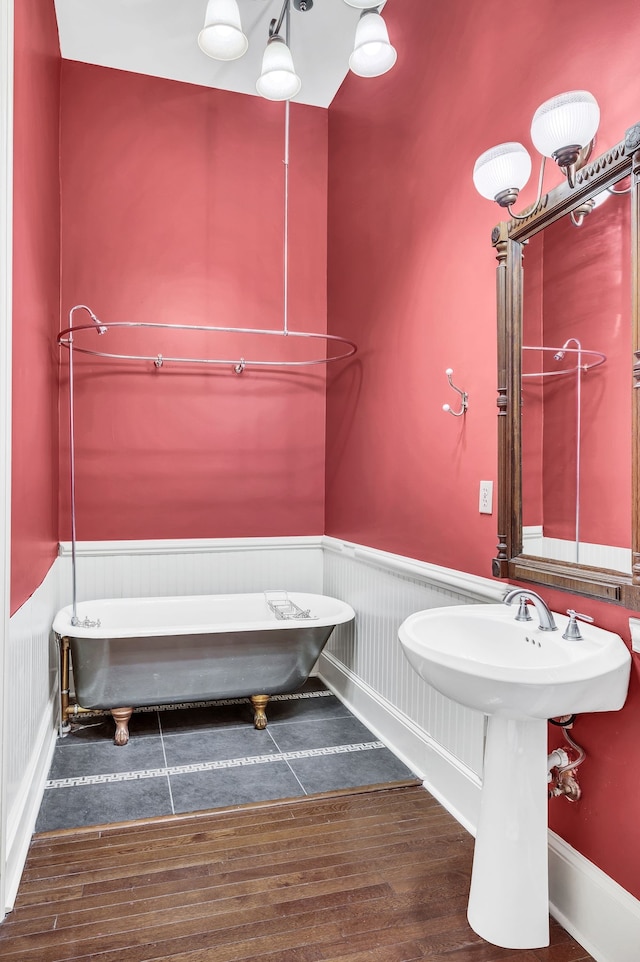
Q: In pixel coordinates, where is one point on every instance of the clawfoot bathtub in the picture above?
(136, 652)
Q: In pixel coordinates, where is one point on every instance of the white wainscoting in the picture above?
(598, 555)
(150, 569)
(31, 716)
(364, 663)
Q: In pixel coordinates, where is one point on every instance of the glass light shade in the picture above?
(222, 37)
(362, 4)
(505, 167)
(569, 119)
(278, 80)
(372, 54)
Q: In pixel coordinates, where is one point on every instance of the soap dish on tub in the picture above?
(284, 609)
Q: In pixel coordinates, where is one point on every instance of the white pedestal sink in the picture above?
(520, 676)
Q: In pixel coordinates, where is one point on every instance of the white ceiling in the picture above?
(159, 38)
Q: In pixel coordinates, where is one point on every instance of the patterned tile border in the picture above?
(217, 703)
(210, 766)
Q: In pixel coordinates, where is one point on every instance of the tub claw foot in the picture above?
(259, 703)
(121, 717)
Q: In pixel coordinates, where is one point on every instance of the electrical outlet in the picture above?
(486, 497)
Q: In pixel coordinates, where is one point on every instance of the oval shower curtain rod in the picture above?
(66, 339)
(346, 347)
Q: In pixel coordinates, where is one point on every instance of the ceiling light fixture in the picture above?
(222, 38)
(279, 80)
(372, 54)
(562, 128)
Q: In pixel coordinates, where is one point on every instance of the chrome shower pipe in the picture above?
(285, 255)
(559, 356)
(285, 272)
(72, 450)
(579, 373)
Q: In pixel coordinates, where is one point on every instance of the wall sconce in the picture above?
(223, 39)
(562, 128)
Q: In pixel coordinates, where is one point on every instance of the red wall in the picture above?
(172, 211)
(419, 296)
(36, 297)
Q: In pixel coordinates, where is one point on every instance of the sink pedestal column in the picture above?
(509, 897)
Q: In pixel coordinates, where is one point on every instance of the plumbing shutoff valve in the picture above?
(561, 776)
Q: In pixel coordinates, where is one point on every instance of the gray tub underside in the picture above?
(163, 670)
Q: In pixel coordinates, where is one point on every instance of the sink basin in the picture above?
(481, 657)
(518, 675)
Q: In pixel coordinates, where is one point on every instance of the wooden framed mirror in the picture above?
(568, 369)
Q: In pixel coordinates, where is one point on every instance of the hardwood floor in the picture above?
(381, 875)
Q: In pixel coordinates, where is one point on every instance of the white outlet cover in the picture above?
(485, 505)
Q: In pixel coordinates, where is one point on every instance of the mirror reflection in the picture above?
(576, 380)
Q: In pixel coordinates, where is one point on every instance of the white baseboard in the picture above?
(455, 786)
(599, 913)
(22, 818)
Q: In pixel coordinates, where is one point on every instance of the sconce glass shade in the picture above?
(278, 80)
(362, 4)
(503, 170)
(570, 119)
(372, 54)
(222, 37)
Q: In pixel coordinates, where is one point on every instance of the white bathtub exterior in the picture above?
(362, 662)
(195, 615)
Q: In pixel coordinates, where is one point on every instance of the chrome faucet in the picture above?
(524, 595)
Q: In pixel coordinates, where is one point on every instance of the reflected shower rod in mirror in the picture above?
(559, 353)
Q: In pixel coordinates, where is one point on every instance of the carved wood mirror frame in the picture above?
(508, 238)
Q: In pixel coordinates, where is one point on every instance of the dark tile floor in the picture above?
(199, 758)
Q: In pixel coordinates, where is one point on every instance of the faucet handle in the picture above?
(523, 610)
(572, 631)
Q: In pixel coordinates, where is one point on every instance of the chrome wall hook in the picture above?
(463, 395)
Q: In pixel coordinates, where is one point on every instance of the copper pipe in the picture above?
(64, 683)
(67, 710)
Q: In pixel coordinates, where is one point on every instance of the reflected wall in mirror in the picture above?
(567, 329)
(576, 411)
